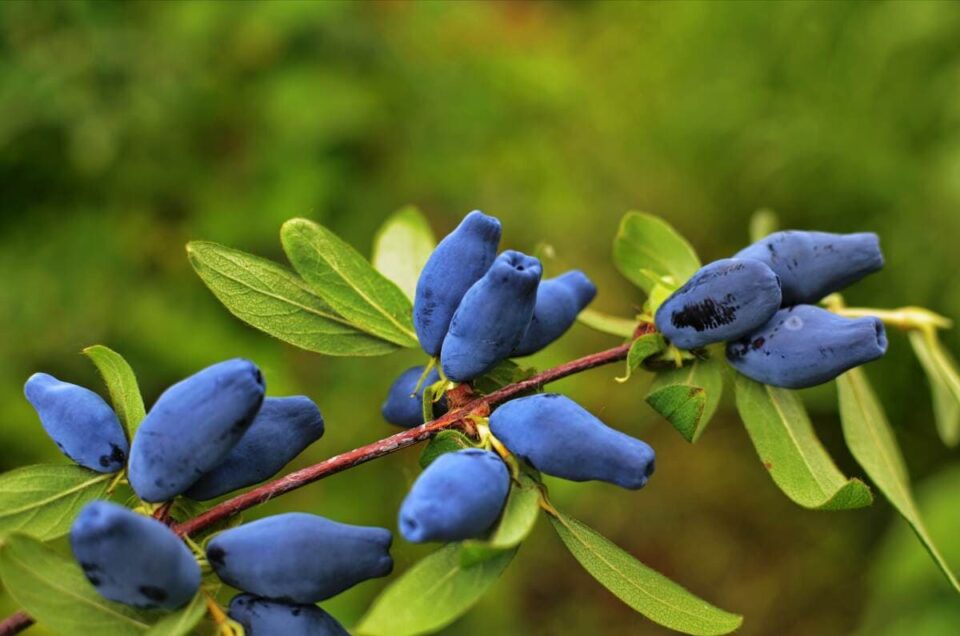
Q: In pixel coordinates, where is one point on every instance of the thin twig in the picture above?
(15, 623)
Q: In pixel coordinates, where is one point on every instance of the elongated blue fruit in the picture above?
(298, 557)
(803, 346)
(133, 559)
(724, 300)
(192, 427)
(403, 407)
(812, 265)
(559, 437)
(281, 430)
(458, 261)
(559, 300)
(459, 496)
(492, 317)
(82, 425)
(263, 617)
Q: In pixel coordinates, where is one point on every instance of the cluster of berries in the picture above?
(759, 303)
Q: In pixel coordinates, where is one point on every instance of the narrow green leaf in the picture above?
(519, 516)
(944, 382)
(506, 372)
(182, 621)
(688, 397)
(641, 349)
(42, 500)
(647, 248)
(122, 384)
(402, 246)
(871, 440)
(432, 594)
(781, 432)
(51, 587)
(341, 276)
(605, 323)
(273, 299)
(446, 441)
(645, 590)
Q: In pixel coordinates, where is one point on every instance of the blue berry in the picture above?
(812, 265)
(404, 408)
(78, 420)
(133, 559)
(192, 427)
(458, 261)
(559, 300)
(298, 557)
(263, 617)
(724, 300)
(280, 431)
(459, 496)
(803, 346)
(559, 437)
(492, 317)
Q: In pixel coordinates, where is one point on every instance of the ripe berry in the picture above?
(559, 437)
(281, 430)
(459, 496)
(492, 317)
(82, 425)
(803, 346)
(813, 264)
(263, 617)
(299, 558)
(559, 300)
(192, 427)
(133, 559)
(458, 261)
(404, 408)
(724, 300)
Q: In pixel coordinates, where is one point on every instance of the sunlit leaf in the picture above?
(402, 246)
(647, 248)
(944, 381)
(688, 396)
(641, 349)
(519, 516)
(122, 385)
(605, 323)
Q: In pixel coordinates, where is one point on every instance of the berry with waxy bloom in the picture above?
(559, 300)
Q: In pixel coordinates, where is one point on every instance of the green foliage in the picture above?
(519, 516)
(402, 246)
(122, 384)
(647, 249)
(506, 372)
(444, 442)
(183, 621)
(640, 349)
(688, 397)
(944, 381)
(605, 323)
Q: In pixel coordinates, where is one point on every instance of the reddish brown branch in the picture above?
(15, 623)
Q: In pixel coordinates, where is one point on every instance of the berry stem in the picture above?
(15, 623)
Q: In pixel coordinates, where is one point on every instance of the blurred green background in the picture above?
(127, 129)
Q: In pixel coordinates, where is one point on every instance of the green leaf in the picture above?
(604, 323)
(944, 382)
(787, 445)
(871, 440)
(273, 299)
(645, 590)
(122, 384)
(647, 248)
(641, 349)
(402, 246)
(506, 372)
(432, 594)
(182, 621)
(688, 397)
(446, 441)
(342, 277)
(517, 521)
(52, 589)
(42, 500)
(763, 223)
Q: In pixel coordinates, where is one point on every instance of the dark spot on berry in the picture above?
(296, 611)
(155, 594)
(758, 342)
(708, 314)
(217, 555)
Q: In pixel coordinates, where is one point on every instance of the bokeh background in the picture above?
(127, 129)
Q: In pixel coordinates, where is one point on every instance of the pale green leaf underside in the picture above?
(52, 589)
(641, 349)
(645, 590)
(688, 397)
(944, 382)
(181, 622)
(341, 276)
(647, 247)
(431, 594)
(787, 444)
(519, 516)
(122, 385)
(605, 323)
(401, 248)
(43, 500)
(873, 445)
(273, 299)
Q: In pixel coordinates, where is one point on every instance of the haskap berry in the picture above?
(192, 427)
(723, 301)
(803, 346)
(559, 437)
(492, 317)
(403, 407)
(300, 558)
(264, 617)
(458, 261)
(459, 496)
(283, 427)
(812, 265)
(559, 300)
(79, 421)
(133, 559)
